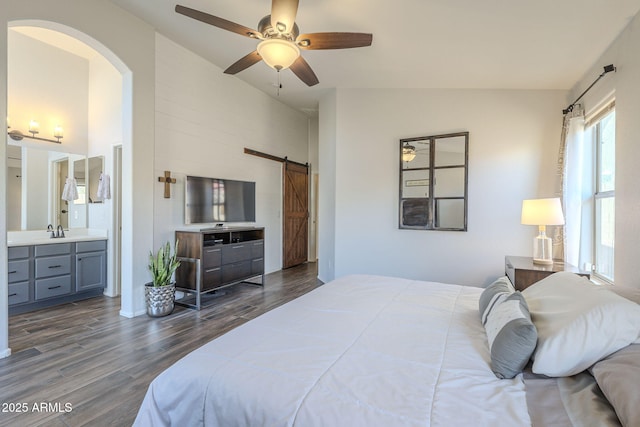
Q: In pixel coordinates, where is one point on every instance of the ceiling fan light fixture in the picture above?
(408, 153)
(278, 54)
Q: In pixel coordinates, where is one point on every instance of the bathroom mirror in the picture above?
(96, 166)
(35, 182)
(79, 173)
(433, 182)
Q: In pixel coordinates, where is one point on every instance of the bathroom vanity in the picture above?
(45, 271)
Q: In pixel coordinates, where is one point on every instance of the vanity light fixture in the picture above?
(34, 129)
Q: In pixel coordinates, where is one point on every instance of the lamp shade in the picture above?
(542, 212)
(277, 53)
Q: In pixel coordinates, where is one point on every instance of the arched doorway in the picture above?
(57, 71)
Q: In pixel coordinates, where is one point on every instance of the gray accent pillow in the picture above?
(618, 376)
(500, 289)
(511, 334)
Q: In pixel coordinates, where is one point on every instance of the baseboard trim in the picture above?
(131, 315)
(5, 353)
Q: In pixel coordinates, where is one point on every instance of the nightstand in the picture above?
(523, 272)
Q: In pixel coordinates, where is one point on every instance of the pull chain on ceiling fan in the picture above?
(280, 39)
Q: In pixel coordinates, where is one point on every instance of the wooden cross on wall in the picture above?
(167, 180)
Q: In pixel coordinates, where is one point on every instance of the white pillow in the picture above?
(578, 323)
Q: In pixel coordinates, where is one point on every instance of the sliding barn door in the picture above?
(296, 214)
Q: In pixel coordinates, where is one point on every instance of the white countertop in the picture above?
(43, 237)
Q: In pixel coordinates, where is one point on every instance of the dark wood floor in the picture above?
(87, 357)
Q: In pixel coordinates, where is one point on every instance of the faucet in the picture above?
(60, 231)
(50, 229)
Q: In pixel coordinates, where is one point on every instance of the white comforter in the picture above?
(358, 351)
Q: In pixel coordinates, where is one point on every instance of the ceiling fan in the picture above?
(280, 39)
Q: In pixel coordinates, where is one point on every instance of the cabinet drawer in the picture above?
(237, 271)
(211, 257)
(257, 266)
(212, 277)
(236, 252)
(257, 249)
(19, 252)
(18, 293)
(53, 249)
(18, 271)
(53, 287)
(53, 266)
(92, 246)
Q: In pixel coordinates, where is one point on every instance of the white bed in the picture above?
(358, 351)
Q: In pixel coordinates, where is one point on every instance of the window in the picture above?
(604, 135)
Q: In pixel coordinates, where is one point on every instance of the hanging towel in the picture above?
(104, 187)
(70, 190)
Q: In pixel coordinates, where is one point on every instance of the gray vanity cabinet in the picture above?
(45, 275)
(18, 275)
(91, 265)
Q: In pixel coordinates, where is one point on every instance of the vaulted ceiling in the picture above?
(510, 44)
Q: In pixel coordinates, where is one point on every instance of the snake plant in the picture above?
(163, 264)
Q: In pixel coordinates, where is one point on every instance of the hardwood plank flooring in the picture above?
(87, 358)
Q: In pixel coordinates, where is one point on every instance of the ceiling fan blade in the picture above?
(217, 22)
(334, 40)
(304, 72)
(283, 14)
(243, 63)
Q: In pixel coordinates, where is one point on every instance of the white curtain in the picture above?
(575, 160)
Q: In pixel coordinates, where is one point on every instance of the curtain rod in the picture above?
(607, 69)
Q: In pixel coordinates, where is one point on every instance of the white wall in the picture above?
(513, 145)
(327, 122)
(624, 53)
(313, 179)
(105, 131)
(48, 85)
(204, 120)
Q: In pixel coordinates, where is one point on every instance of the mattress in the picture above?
(358, 351)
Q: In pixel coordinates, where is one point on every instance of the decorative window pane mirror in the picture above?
(433, 182)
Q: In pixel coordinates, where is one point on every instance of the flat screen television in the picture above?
(214, 200)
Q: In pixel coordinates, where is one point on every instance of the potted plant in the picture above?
(160, 292)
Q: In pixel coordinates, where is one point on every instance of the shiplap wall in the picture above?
(204, 120)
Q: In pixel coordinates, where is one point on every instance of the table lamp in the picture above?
(542, 212)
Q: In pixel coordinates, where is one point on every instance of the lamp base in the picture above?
(542, 247)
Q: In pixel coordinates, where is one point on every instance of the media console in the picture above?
(214, 258)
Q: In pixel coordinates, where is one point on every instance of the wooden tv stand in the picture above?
(214, 258)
